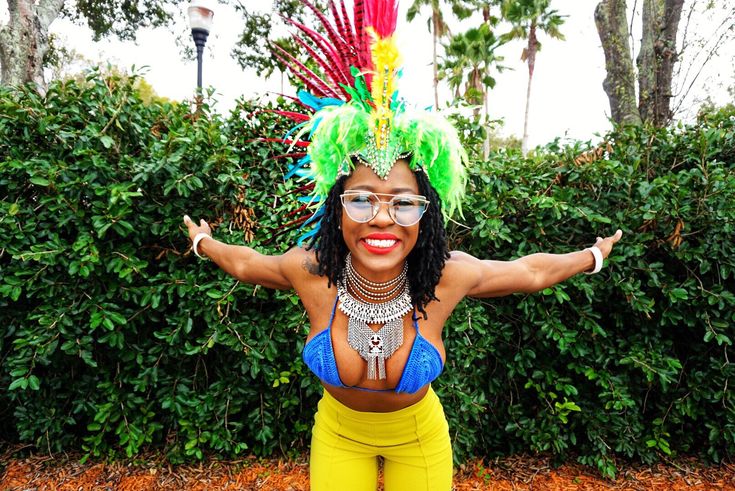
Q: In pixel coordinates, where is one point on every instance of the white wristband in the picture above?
(194, 243)
(598, 259)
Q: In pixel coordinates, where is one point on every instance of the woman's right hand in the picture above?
(195, 229)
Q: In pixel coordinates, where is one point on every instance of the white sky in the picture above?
(567, 95)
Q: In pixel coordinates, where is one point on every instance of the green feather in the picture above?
(432, 141)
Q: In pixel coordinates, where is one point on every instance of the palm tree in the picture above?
(438, 28)
(468, 59)
(527, 17)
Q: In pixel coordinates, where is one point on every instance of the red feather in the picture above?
(362, 46)
(336, 57)
(281, 140)
(337, 76)
(292, 115)
(310, 86)
(337, 20)
(342, 27)
(348, 27)
(363, 43)
(331, 33)
(288, 114)
(322, 43)
(346, 47)
(306, 75)
(297, 101)
(298, 210)
(302, 189)
(289, 155)
(382, 15)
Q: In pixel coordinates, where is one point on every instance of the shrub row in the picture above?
(114, 338)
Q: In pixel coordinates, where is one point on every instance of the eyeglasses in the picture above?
(404, 209)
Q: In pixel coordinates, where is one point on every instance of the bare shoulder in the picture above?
(462, 262)
(312, 288)
(461, 271)
(300, 262)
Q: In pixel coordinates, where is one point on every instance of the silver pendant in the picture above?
(374, 346)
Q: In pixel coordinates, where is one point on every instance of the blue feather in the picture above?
(318, 103)
(298, 167)
(294, 129)
(316, 217)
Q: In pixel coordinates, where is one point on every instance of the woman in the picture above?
(381, 242)
(377, 280)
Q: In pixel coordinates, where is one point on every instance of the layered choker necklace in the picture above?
(386, 304)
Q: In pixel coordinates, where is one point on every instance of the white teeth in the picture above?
(380, 243)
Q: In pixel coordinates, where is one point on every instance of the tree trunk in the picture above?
(435, 34)
(25, 41)
(653, 11)
(531, 60)
(657, 58)
(619, 84)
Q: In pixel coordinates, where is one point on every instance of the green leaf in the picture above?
(107, 141)
(33, 382)
(19, 383)
(39, 181)
(116, 318)
(107, 323)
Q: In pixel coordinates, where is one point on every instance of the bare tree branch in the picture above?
(48, 11)
(710, 55)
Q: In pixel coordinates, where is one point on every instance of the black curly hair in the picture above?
(425, 262)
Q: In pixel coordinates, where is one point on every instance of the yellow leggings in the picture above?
(414, 443)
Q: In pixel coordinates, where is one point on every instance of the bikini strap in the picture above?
(334, 309)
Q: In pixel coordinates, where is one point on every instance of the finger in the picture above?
(202, 223)
(187, 220)
(618, 235)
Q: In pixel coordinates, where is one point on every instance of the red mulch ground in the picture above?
(515, 473)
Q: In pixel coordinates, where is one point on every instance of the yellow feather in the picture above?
(386, 62)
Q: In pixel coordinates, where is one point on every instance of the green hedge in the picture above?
(114, 338)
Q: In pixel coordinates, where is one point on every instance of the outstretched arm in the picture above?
(244, 263)
(531, 273)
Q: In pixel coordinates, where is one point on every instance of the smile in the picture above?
(381, 243)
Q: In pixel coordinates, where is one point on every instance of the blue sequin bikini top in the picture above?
(424, 363)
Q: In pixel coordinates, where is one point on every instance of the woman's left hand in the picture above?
(605, 245)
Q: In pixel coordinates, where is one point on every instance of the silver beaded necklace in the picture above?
(374, 346)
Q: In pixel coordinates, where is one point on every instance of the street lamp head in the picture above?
(201, 13)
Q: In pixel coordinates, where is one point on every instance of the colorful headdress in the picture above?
(357, 113)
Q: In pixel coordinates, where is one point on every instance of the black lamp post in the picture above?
(200, 20)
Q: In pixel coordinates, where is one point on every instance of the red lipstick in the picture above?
(377, 249)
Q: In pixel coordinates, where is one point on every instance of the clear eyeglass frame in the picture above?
(404, 209)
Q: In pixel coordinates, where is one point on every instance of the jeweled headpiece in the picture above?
(357, 112)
